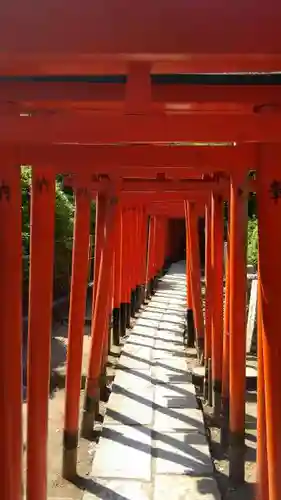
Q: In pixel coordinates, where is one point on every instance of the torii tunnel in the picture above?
(157, 111)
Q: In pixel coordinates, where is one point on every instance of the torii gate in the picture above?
(246, 114)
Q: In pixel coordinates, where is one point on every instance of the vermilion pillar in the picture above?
(10, 331)
(217, 298)
(208, 306)
(143, 253)
(269, 215)
(150, 256)
(133, 258)
(237, 325)
(99, 240)
(225, 361)
(100, 319)
(262, 456)
(79, 276)
(104, 388)
(39, 328)
(190, 330)
(117, 277)
(196, 277)
(125, 278)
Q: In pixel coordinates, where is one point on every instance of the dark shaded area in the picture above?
(171, 79)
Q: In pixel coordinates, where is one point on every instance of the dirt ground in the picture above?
(58, 488)
(220, 457)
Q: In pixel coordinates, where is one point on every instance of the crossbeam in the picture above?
(154, 186)
(100, 129)
(113, 33)
(94, 95)
(136, 159)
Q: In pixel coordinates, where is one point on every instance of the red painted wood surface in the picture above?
(113, 33)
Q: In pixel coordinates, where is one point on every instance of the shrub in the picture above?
(64, 213)
(252, 247)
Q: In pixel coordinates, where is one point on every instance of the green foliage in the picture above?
(64, 221)
(252, 247)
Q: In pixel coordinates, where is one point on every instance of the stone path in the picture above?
(153, 443)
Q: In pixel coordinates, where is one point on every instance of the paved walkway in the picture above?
(153, 444)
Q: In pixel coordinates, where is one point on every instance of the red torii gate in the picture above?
(105, 46)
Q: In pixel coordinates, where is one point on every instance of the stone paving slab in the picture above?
(183, 453)
(169, 397)
(136, 381)
(141, 340)
(115, 489)
(170, 419)
(135, 349)
(132, 362)
(143, 330)
(153, 443)
(123, 452)
(161, 344)
(148, 322)
(185, 488)
(140, 411)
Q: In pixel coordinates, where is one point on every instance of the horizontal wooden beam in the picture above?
(100, 129)
(133, 160)
(114, 32)
(51, 94)
(153, 186)
(144, 198)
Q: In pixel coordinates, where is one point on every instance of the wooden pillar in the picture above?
(143, 253)
(217, 293)
(133, 259)
(100, 319)
(39, 328)
(79, 276)
(150, 263)
(139, 257)
(105, 389)
(237, 326)
(225, 361)
(99, 240)
(125, 284)
(208, 306)
(190, 329)
(196, 277)
(117, 278)
(269, 216)
(10, 331)
(262, 456)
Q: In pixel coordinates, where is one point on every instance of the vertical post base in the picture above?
(90, 411)
(69, 461)
(139, 297)
(142, 294)
(200, 349)
(154, 285)
(217, 399)
(206, 380)
(104, 388)
(116, 326)
(109, 331)
(236, 459)
(149, 289)
(210, 391)
(190, 329)
(133, 303)
(123, 318)
(224, 422)
(128, 315)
